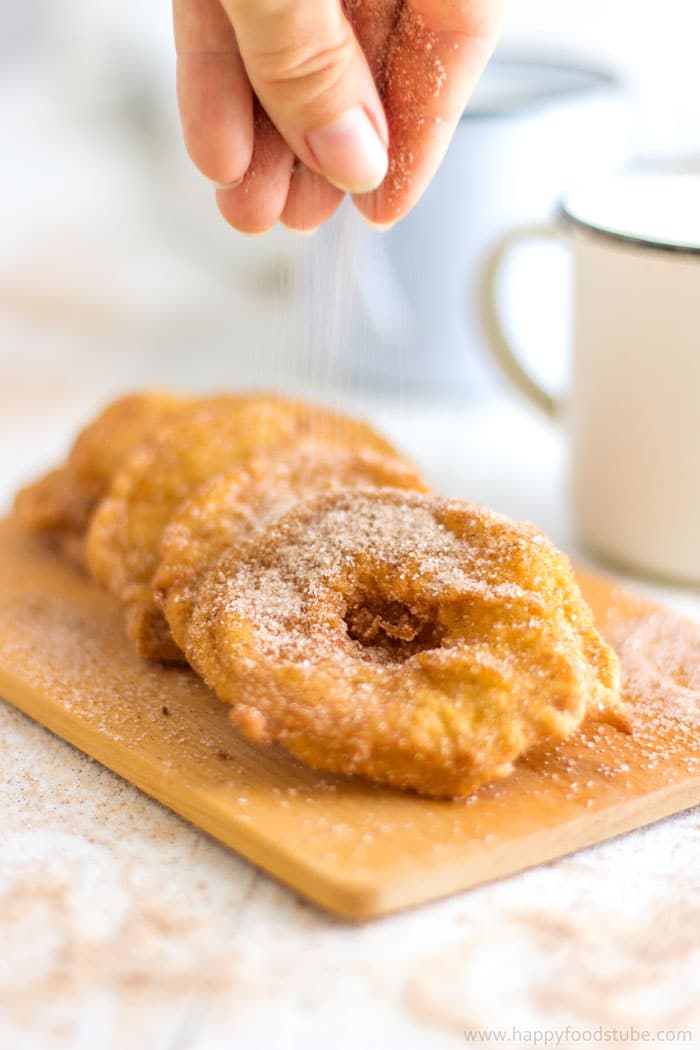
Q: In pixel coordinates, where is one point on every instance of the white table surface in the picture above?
(122, 926)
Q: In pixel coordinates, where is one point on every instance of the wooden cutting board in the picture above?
(346, 844)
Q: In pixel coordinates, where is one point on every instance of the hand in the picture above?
(288, 104)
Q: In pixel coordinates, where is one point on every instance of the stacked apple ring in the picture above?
(302, 568)
(59, 506)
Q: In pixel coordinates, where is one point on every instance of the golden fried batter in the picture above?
(223, 513)
(423, 642)
(55, 508)
(205, 439)
(60, 505)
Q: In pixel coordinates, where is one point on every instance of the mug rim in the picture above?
(608, 234)
(682, 168)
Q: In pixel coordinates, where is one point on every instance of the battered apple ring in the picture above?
(56, 509)
(425, 643)
(123, 544)
(59, 505)
(224, 512)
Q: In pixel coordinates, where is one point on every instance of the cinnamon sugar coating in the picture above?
(227, 509)
(206, 438)
(425, 643)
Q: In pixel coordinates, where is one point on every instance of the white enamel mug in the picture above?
(633, 407)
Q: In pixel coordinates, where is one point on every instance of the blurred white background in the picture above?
(652, 47)
(114, 265)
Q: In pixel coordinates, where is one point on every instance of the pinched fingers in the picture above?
(320, 80)
(312, 79)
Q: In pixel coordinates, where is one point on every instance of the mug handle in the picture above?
(504, 354)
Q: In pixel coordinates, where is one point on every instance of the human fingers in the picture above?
(257, 203)
(373, 22)
(437, 51)
(214, 93)
(311, 76)
(311, 200)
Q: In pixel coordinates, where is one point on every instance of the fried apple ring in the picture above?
(60, 505)
(55, 508)
(224, 512)
(205, 439)
(425, 643)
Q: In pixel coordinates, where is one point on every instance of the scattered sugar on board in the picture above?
(660, 659)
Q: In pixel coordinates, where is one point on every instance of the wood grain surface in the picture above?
(350, 846)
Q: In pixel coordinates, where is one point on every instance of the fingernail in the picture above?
(378, 227)
(349, 152)
(304, 233)
(227, 185)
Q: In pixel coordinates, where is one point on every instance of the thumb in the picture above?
(311, 76)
